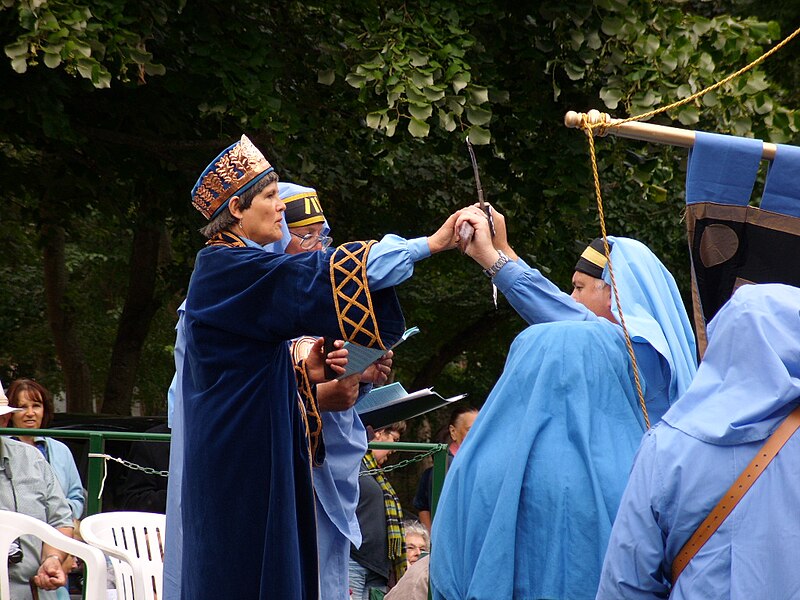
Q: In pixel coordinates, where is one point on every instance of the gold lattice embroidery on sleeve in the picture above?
(351, 296)
(311, 415)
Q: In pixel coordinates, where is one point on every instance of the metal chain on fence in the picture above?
(130, 465)
(403, 463)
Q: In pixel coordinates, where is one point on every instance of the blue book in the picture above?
(361, 357)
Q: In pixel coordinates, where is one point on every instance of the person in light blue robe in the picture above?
(528, 503)
(663, 342)
(747, 383)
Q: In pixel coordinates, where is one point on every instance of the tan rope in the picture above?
(602, 126)
(628, 342)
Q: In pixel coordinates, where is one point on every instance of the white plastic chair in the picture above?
(135, 543)
(13, 525)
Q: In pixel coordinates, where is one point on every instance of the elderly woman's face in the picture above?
(261, 221)
(415, 545)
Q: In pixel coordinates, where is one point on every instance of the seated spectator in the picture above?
(29, 486)
(380, 560)
(144, 491)
(418, 541)
(414, 584)
(37, 413)
(461, 420)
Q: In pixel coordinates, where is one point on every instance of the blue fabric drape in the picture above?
(527, 506)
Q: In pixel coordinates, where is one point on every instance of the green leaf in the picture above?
(478, 116)
(611, 97)
(417, 58)
(154, 69)
(763, 104)
(479, 136)
(668, 62)
(104, 79)
(326, 76)
(479, 94)
(710, 99)
(356, 81)
(455, 106)
(577, 38)
(651, 45)
(593, 40)
(391, 127)
(17, 49)
(420, 111)
(374, 119)
(20, 64)
(658, 194)
(612, 25)
(433, 93)
(689, 115)
(447, 121)
(52, 60)
(418, 128)
(421, 79)
(460, 81)
(574, 72)
(742, 125)
(701, 26)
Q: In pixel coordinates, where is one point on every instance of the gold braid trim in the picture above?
(228, 239)
(351, 295)
(309, 410)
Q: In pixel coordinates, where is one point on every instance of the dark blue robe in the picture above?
(248, 503)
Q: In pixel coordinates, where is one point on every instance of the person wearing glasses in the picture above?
(336, 479)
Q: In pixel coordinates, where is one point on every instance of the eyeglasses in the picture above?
(309, 240)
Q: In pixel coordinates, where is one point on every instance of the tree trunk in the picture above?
(134, 323)
(60, 316)
(471, 336)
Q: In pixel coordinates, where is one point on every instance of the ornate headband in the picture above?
(236, 169)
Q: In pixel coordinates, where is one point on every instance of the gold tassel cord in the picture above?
(596, 121)
(607, 250)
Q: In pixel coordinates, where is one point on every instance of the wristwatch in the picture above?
(492, 271)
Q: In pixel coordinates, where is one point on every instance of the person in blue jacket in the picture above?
(662, 337)
(747, 384)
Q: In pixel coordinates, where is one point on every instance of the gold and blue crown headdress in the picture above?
(236, 169)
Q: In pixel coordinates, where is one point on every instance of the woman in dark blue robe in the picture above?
(250, 438)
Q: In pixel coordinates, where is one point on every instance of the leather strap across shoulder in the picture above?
(736, 492)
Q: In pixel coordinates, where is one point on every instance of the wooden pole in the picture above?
(645, 132)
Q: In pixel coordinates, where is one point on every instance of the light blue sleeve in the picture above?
(391, 261)
(67, 475)
(634, 566)
(180, 350)
(173, 552)
(536, 298)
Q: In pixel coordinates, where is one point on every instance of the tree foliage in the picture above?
(117, 106)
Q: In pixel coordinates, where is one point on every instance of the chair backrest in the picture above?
(13, 525)
(135, 543)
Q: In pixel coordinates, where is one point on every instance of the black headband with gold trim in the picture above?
(593, 259)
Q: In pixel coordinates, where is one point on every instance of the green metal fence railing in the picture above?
(97, 456)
